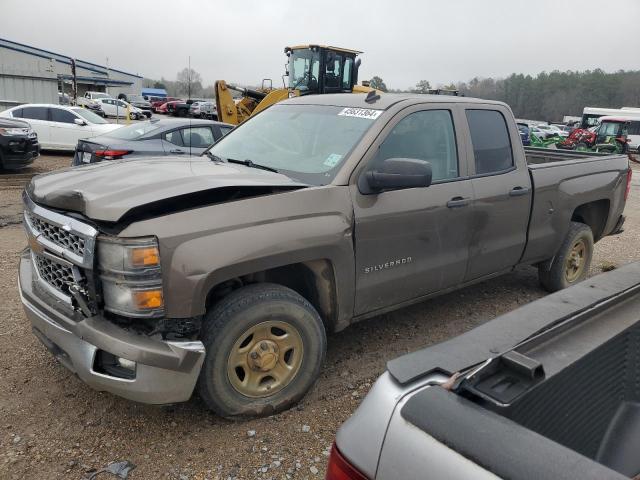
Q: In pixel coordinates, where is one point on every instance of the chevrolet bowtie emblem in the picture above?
(66, 228)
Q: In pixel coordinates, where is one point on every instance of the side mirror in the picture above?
(396, 174)
(79, 121)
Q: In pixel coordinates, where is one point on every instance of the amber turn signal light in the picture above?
(147, 299)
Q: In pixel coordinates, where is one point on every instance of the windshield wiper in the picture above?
(249, 163)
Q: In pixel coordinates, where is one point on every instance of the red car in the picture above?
(168, 107)
(156, 105)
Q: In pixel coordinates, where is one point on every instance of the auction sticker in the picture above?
(360, 113)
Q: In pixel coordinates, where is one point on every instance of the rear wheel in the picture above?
(265, 346)
(571, 263)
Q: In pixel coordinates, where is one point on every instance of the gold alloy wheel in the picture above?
(265, 359)
(576, 261)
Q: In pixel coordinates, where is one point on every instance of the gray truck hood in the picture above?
(107, 191)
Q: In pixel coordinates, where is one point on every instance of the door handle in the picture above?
(176, 151)
(457, 202)
(519, 191)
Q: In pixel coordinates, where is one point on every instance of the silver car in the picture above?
(153, 138)
(547, 391)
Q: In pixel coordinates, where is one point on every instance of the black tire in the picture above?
(556, 277)
(226, 323)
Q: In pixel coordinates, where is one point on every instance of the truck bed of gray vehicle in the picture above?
(571, 179)
(559, 399)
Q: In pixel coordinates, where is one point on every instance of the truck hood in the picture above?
(134, 189)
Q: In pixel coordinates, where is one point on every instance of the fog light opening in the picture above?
(109, 364)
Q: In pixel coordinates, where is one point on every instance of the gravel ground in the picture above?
(52, 426)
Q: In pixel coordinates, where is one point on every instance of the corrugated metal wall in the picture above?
(26, 79)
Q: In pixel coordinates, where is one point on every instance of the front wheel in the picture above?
(265, 346)
(571, 263)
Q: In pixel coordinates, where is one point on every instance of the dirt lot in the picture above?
(53, 426)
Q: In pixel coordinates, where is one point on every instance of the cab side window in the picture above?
(62, 116)
(427, 135)
(491, 142)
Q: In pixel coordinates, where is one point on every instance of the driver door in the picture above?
(414, 242)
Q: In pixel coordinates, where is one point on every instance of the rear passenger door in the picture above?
(502, 192)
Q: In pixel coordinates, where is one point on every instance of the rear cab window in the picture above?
(491, 141)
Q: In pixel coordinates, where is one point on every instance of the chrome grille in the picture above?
(56, 274)
(58, 235)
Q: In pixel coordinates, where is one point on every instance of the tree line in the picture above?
(546, 96)
(549, 96)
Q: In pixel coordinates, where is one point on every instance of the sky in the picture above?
(404, 41)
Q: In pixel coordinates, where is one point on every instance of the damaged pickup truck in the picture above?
(149, 277)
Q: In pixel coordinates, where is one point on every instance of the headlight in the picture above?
(131, 277)
(12, 131)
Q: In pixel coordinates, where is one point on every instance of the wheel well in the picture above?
(593, 214)
(314, 280)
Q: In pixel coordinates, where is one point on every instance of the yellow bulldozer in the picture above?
(311, 69)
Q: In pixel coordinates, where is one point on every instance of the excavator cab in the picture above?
(311, 69)
(315, 69)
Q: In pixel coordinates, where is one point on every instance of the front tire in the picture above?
(571, 263)
(265, 346)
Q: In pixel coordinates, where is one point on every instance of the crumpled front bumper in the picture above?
(166, 372)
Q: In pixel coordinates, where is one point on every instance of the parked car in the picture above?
(183, 109)
(91, 101)
(168, 107)
(523, 128)
(547, 391)
(137, 101)
(195, 109)
(156, 104)
(18, 144)
(120, 109)
(155, 138)
(227, 270)
(60, 127)
(209, 111)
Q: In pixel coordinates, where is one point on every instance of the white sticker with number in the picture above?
(360, 113)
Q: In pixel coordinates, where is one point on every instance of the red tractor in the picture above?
(609, 136)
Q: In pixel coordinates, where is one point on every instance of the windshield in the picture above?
(89, 116)
(306, 142)
(304, 67)
(134, 131)
(100, 95)
(136, 98)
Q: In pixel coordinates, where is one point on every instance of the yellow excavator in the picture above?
(311, 69)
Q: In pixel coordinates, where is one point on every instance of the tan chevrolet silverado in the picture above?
(151, 278)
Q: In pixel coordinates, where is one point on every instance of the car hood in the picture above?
(111, 191)
(11, 123)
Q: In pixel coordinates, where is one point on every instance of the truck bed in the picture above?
(537, 156)
(563, 403)
(567, 186)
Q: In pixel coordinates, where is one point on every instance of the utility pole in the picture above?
(189, 79)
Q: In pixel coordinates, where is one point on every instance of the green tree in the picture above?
(377, 83)
(423, 86)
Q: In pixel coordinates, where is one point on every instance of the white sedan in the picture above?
(60, 127)
(113, 107)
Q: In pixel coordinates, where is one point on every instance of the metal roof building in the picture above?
(33, 75)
